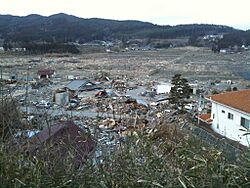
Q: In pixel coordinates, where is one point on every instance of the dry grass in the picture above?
(166, 158)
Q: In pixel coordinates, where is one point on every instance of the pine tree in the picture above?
(180, 91)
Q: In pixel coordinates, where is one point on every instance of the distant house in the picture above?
(223, 51)
(45, 73)
(62, 140)
(230, 115)
(80, 85)
(18, 49)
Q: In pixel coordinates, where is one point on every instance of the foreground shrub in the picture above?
(141, 161)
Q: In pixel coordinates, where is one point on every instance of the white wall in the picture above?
(227, 127)
(163, 88)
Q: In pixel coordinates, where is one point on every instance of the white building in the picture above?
(230, 115)
(163, 88)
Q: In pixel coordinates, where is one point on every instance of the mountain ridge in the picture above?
(68, 28)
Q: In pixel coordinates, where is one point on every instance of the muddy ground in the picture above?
(194, 63)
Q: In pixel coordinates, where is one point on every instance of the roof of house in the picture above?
(239, 100)
(77, 84)
(205, 118)
(45, 72)
(67, 132)
(49, 132)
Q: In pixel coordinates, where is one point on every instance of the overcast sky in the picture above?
(234, 13)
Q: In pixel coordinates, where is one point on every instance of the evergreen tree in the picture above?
(180, 91)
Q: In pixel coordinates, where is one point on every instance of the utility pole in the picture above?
(26, 97)
(2, 85)
(199, 108)
(2, 105)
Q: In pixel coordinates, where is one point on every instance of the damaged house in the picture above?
(60, 141)
(45, 73)
(77, 86)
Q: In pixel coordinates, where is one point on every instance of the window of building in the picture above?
(213, 116)
(245, 122)
(223, 111)
(230, 116)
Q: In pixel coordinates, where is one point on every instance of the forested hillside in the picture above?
(66, 28)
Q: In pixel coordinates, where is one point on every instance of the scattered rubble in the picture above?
(112, 100)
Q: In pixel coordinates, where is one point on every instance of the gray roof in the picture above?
(77, 84)
(142, 102)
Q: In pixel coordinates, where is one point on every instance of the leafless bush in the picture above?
(10, 118)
